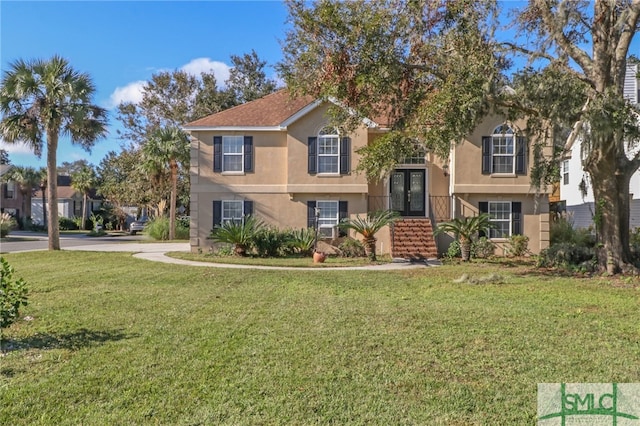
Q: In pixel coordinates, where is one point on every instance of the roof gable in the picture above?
(269, 111)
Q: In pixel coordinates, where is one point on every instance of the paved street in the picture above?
(29, 241)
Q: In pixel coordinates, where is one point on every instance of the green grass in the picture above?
(118, 340)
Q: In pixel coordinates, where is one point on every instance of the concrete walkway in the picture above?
(156, 252)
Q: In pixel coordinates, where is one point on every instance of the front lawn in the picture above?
(289, 262)
(112, 339)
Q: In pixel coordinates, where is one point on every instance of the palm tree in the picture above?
(369, 226)
(465, 229)
(167, 147)
(83, 181)
(26, 178)
(41, 100)
(42, 173)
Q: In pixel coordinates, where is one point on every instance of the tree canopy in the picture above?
(430, 70)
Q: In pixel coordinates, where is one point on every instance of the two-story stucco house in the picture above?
(278, 158)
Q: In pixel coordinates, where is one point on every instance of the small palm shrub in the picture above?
(240, 234)
(351, 247)
(13, 295)
(300, 241)
(465, 230)
(7, 223)
(369, 226)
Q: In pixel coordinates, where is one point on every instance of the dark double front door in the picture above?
(407, 192)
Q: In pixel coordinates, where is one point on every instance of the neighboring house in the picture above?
(10, 195)
(69, 201)
(576, 193)
(278, 158)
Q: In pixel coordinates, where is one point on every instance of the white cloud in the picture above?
(132, 92)
(200, 65)
(15, 148)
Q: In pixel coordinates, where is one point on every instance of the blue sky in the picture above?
(122, 43)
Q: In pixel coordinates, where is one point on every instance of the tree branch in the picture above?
(557, 34)
(628, 22)
(575, 130)
(528, 52)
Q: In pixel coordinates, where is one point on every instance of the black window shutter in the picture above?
(248, 207)
(486, 155)
(311, 214)
(248, 153)
(217, 154)
(521, 156)
(217, 213)
(483, 207)
(343, 213)
(345, 158)
(516, 218)
(312, 163)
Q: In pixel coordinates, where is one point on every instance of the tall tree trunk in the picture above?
(611, 195)
(52, 190)
(84, 211)
(172, 208)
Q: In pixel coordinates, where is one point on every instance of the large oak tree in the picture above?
(434, 68)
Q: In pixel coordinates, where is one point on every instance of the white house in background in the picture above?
(573, 178)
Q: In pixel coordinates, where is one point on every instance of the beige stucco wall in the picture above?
(280, 184)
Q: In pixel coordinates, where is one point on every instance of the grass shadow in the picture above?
(72, 341)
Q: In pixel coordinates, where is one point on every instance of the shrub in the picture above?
(483, 248)
(13, 294)
(158, 229)
(66, 224)
(454, 250)
(561, 230)
(518, 245)
(240, 234)
(301, 241)
(7, 223)
(270, 242)
(351, 247)
(568, 256)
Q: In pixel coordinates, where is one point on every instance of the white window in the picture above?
(565, 172)
(503, 150)
(500, 217)
(232, 153)
(328, 151)
(232, 211)
(328, 219)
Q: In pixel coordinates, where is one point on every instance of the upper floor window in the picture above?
(419, 156)
(503, 152)
(565, 172)
(328, 150)
(233, 154)
(9, 190)
(329, 154)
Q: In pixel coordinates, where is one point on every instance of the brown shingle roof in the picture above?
(271, 110)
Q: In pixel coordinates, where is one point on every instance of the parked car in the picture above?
(138, 225)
